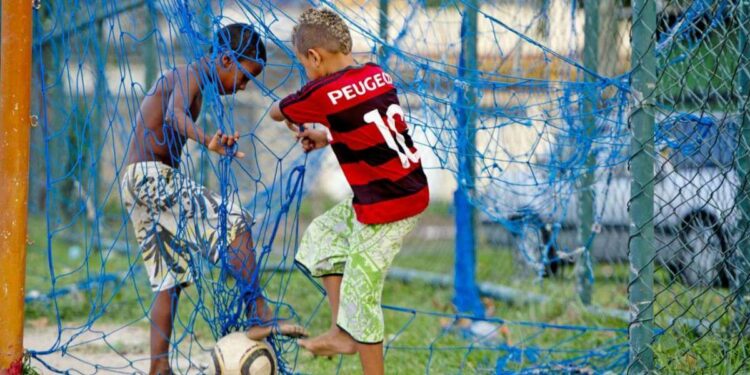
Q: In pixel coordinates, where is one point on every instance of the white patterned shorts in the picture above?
(176, 219)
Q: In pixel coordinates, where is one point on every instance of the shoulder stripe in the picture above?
(311, 87)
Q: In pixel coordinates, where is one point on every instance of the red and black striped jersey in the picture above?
(360, 107)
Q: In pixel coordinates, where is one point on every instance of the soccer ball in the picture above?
(237, 354)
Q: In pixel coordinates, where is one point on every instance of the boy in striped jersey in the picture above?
(352, 245)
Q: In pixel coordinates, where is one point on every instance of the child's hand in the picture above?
(312, 139)
(292, 126)
(220, 142)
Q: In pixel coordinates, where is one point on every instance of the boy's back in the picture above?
(370, 139)
(351, 246)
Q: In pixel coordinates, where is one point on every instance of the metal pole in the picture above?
(641, 246)
(466, 298)
(546, 35)
(100, 102)
(15, 98)
(609, 42)
(383, 29)
(742, 254)
(1, 25)
(150, 58)
(207, 175)
(586, 191)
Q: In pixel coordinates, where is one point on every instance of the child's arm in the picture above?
(277, 115)
(311, 139)
(178, 115)
(178, 112)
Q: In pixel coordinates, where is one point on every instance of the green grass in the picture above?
(69, 270)
(417, 341)
(28, 368)
(702, 77)
(422, 343)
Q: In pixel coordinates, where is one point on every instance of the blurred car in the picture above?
(695, 188)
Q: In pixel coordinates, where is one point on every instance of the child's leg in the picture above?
(242, 260)
(335, 341)
(323, 252)
(162, 317)
(360, 316)
(371, 358)
(332, 284)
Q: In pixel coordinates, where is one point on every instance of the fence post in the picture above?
(208, 176)
(641, 245)
(101, 91)
(466, 298)
(383, 29)
(150, 57)
(586, 191)
(15, 125)
(742, 158)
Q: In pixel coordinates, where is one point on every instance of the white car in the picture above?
(694, 195)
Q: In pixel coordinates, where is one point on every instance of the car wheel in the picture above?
(702, 257)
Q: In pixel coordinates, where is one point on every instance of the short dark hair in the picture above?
(243, 40)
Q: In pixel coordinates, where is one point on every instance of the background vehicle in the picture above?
(694, 192)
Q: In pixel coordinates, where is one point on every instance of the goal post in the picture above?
(15, 93)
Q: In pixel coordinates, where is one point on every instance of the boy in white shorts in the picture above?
(176, 219)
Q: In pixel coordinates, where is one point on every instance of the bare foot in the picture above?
(333, 342)
(259, 333)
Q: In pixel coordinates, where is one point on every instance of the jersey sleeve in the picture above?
(305, 105)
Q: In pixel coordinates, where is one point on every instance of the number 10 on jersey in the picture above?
(399, 143)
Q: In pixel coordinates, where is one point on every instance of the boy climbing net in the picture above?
(175, 219)
(352, 245)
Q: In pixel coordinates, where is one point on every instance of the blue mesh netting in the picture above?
(539, 117)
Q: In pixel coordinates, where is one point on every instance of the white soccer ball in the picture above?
(237, 354)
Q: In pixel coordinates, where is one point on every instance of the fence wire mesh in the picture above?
(690, 214)
(610, 155)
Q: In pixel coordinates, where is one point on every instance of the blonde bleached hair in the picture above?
(321, 28)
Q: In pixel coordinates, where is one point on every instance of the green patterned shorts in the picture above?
(336, 243)
(174, 219)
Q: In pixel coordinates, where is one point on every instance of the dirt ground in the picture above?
(103, 349)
